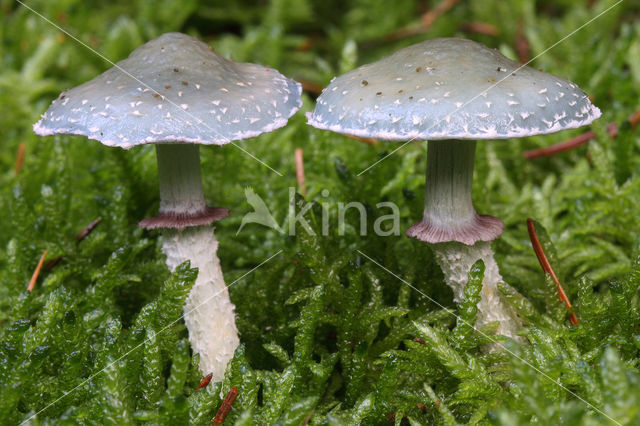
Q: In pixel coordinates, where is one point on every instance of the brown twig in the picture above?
(634, 118)
(306, 45)
(311, 87)
(370, 141)
(224, 409)
(300, 171)
(546, 266)
(392, 416)
(612, 129)
(205, 381)
(569, 144)
(426, 21)
(87, 230)
(401, 33)
(34, 277)
(20, 158)
(53, 262)
(305, 422)
(443, 7)
(522, 45)
(480, 28)
(79, 237)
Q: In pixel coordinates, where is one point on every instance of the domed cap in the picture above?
(442, 89)
(190, 94)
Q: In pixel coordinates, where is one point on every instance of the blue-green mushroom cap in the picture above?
(450, 88)
(174, 89)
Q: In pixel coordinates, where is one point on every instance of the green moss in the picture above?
(327, 335)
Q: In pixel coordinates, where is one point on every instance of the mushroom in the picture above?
(453, 92)
(175, 92)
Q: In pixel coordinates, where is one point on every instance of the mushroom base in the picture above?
(479, 228)
(183, 220)
(208, 311)
(456, 260)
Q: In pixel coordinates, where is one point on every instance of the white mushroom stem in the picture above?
(180, 180)
(460, 236)
(208, 311)
(456, 260)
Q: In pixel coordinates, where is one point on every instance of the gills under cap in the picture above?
(442, 89)
(190, 94)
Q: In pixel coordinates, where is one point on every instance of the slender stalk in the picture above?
(448, 200)
(181, 198)
(459, 236)
(185, 218)
(180, 180)
(449, 214)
